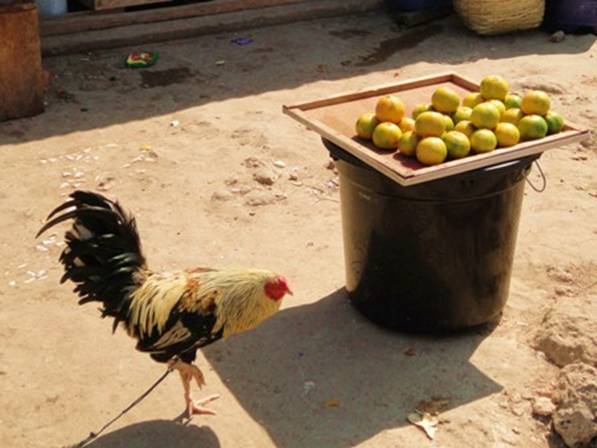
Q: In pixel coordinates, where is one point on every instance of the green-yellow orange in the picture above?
(386, 135)
(507, 134)
(466, 127)
(472, 99)
(408, 143)
(532, 127)
(512, 101)
(494, 87)
(390, 108)
(431, 151)
(555, 122)
(449, 123)
(457, 144)
(462, 113)
(419, 109)
(512, 116)
(407, 124)
(430, 124)
(365, 125)
(445, 100)
(535, 102)
(485, 115)
(483, 140)
(500, 106)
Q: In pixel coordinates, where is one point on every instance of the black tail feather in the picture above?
(83, 211)
(103, 254)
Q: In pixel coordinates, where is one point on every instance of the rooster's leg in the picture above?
(188, 372)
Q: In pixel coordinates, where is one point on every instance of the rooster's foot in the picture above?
(197, 408)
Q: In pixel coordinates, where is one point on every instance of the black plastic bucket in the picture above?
(436, 256)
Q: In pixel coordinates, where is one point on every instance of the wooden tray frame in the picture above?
(409, 172)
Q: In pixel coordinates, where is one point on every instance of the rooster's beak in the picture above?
(289, 291)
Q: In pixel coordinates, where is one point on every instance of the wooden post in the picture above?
(21, 79)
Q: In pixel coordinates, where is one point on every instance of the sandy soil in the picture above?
(62, 372)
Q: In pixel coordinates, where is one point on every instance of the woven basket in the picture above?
(500, 16)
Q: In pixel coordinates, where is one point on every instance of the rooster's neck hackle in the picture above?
(243, 304)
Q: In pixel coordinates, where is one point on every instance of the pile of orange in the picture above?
(451, 128)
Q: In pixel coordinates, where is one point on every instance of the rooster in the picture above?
(171, 315)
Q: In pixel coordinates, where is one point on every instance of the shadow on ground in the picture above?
(95, 90)
(321, 375)
(158, 434)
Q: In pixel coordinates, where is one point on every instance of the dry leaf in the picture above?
(426, 422)
(410, 352)
(433, 406)
(332, 403)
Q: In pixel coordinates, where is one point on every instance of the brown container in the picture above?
(21, 80)
(500, 16)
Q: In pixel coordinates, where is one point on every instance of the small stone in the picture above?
(221, 195)
(575, 419)
(557, 37)
(241, 190)
(292, 176)
(547, 393)
(175, 123)
(330, 165)
(104, 182)
(562, 276)
(264, 176)
(517, 409)
(260, 198)
(515, 397)
(252, 162)
(588, 143)
(543, 407)
(568, 332)
(279, 164)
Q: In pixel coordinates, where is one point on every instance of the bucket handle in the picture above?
(544, 179)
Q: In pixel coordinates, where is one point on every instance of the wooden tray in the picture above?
(334, 119)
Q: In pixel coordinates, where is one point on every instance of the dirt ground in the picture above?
(177, 144)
